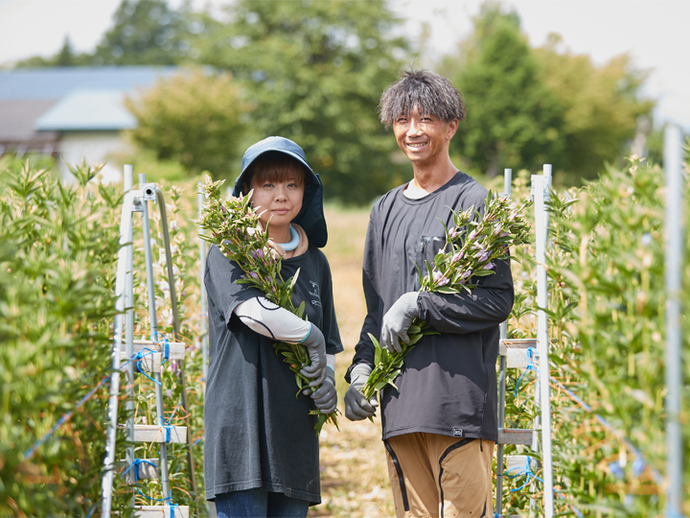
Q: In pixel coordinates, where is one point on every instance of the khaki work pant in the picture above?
(435, 476)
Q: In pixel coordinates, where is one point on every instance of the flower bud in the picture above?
(439, 279)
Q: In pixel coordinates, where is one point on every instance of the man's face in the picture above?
(423, 138)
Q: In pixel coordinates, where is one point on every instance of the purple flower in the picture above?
(482, 256)
(254, 275)
(457, 257)
(489, 266)
(472, 235)
(257, 254)
(439, 279)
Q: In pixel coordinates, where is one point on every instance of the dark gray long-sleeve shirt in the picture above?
(448, 383)
(258, 433)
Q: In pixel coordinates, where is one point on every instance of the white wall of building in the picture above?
(94, 147)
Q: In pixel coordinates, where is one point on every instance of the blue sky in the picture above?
(654, 32)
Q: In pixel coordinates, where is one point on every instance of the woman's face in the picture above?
(278, 202)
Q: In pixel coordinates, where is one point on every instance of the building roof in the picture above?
(55, 83)
(17, 120)
(87, 109)
(34, 101)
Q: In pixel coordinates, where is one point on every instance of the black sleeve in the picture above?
(224, 294)
(485, 306)
(364, 350)
(330, 329)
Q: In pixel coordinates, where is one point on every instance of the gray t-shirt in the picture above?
(448, 383)
(257, 433)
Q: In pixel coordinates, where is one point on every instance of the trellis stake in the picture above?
(673, 267)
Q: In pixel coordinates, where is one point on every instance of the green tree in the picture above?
(194, 118)
(65, 57)
(315, 72)
(147, 32)
(34, 62)
(513, 119)
(601, 106)
(144, 32)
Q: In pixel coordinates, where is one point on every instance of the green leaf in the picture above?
(448, 290)
(300, 310)
(381, 384)
(415, 338)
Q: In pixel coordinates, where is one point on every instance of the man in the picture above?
(440, 426)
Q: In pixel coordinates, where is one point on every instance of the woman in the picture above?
(261, 453)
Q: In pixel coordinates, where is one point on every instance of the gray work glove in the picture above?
(326, 397)
(316, 349)
(356, 405)
(398, 320)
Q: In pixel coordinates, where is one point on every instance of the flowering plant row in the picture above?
(472, 247)
(233, 225)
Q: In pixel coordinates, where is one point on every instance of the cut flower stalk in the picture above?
(234, 226)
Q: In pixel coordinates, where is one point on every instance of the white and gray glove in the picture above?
(398, 320)
(315, 344)
(356, 405)
(325, 397)
(270, 320)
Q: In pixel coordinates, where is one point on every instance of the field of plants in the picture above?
(58, 249)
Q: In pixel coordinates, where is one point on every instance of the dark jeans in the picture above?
(257, 503)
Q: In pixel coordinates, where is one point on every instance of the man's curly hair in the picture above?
(430, 93)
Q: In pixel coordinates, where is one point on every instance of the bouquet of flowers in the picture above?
(472, 246)
(233, 225)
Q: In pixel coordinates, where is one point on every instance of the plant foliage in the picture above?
(57, 249)
(605, 264)
(194, 118)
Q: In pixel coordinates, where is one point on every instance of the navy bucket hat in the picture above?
(311, 217)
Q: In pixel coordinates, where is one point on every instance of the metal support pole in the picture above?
(204, 314)
(137, 201)
(507, 184)
(129, 334)
(176, 325)
(540, 186)
(151, 291)
(673, 267)
(122, 261)
(548, 180)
